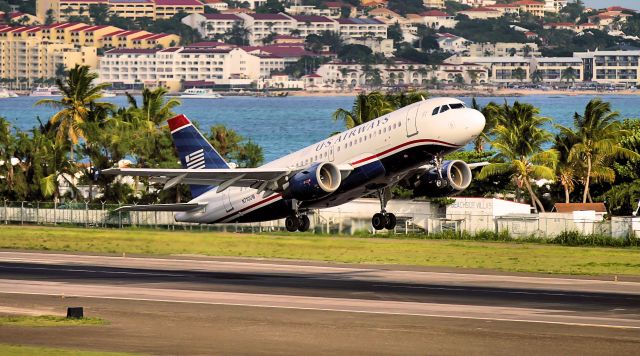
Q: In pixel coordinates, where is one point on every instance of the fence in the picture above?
(413, 217)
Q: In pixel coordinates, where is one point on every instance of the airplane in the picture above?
(404, 147)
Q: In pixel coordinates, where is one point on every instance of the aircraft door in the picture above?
(226, 201)
(412, 121)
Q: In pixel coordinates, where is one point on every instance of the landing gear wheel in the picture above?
(303, 223)
(378, 221)
(390, 222)
(292, 223)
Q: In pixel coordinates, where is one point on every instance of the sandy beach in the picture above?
(479, 92)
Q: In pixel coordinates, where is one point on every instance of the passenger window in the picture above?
(435, 111)
(394, 126)
(456, 106)
(444, 108)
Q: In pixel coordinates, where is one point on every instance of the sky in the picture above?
(631, 4)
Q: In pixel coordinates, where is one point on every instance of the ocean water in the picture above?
(283, 125)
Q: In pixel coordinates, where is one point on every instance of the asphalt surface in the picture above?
(189, 305)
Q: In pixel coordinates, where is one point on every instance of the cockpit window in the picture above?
(443, 108)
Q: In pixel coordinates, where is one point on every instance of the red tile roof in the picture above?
(263, 17)
(528, 2)
(131, 51)
(480, 9)
(312, 18)
(571, 207)
(435, 13)
(230, 17)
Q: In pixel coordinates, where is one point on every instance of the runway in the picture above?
(521, 304)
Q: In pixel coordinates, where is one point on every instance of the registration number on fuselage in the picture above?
(249, 198)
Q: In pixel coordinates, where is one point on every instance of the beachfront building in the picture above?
(279, 81)
(179, 67)
(27, 61)
(62, 10)
(504, 49)
(502, 70)
(557, 69)
(462, 73)
(611, 67)
(212, 25)
(313, 25)
(337, 74)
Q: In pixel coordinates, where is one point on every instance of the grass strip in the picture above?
(502, 256)
(20, 350)
(47, 320)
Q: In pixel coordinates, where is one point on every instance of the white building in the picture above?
(551, 69)
(377, 45)
(476, 3)
(210, 25)
(453, 44)
(362, 27)
(308, 10)
(313, 24)
(352, 75)
(554, 5)
(611, 67)
(436, 19)
(504, 49)
(172, 67)
(468, 73)
(262, 25)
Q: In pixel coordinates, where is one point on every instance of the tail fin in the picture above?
(194, 150)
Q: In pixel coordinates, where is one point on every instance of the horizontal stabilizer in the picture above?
(164, 207)
(479, 164)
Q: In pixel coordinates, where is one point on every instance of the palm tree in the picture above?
(569, 75)
(490, 111)
(597, 136)
(366, 107)
(519, 73)
(155, 108)
(536, 76)
(518, 138)
(567, 168)
(79, 93)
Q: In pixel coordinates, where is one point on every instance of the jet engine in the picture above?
(452, 178)
(315, 182)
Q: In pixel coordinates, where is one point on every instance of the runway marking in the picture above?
(340, 310)
(291, 268)
(93, 271)
(439, 310)
(501, 291)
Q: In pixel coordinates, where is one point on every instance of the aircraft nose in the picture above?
(475, 122)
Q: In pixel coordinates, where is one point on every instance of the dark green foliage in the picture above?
(305, 65)
(271, 7)
(493, 30)
(574, 238)
(355, 53)
(404, 7)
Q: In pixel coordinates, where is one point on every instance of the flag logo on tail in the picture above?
(195, 160)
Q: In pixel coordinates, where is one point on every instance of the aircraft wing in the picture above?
(163, 207)
(263, 179)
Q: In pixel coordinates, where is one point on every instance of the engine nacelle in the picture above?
(316, 182)
(453, 178)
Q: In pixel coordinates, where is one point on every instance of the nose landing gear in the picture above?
(384, 220)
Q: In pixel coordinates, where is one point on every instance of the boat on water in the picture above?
(108, 94)
(5, 93)
(45, 91)
(200, 93)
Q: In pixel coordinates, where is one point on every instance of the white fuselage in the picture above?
(392, 134)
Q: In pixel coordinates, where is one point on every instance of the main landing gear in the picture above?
(384, 220)
(297, 221)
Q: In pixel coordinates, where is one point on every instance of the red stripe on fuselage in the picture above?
(249, 207)
(401, 146)
(178, 122)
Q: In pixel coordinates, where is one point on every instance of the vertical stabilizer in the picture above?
(194, 150)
